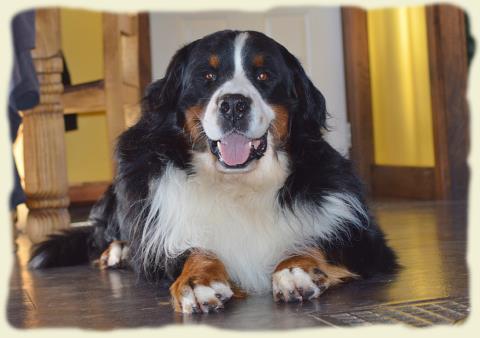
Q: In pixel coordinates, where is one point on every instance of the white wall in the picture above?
(314, 35)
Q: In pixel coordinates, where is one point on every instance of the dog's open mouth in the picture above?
(235, 150)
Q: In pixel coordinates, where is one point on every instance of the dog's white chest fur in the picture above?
(238, 219)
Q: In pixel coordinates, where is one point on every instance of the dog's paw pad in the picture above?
(115, 256)
(203, 298)
(295, 285)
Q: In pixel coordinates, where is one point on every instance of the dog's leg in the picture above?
(114, 257)
(306, 276)
(202, 286)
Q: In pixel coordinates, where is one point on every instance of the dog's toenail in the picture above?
(294, 299)
(307, 294)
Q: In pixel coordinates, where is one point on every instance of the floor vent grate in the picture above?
(418, 314)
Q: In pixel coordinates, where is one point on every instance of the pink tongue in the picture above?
(235, 149)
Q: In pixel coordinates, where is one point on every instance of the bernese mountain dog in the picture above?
(225, 186)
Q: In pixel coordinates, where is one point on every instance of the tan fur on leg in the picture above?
(203, 285)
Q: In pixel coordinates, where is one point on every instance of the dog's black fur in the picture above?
(159, 138)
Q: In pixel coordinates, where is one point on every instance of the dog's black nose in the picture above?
(234, 106)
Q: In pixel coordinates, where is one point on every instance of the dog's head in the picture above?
(237, 95)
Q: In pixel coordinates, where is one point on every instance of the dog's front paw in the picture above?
(203, 285)
(305, 277)
(115, 256)
(295, 285)
(200, 298)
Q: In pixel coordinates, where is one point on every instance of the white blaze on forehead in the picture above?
(238, 49)
(261, 113)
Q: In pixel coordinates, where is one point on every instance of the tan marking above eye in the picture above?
(214, 61)
(258, 60)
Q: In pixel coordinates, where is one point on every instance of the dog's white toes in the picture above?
(205, 298)
(125, 253)
(222, 291)
(115, 256)
(188, 301)
(293, 285)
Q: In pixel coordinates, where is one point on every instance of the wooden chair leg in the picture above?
(46, 185)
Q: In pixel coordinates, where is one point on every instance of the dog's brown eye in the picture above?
(262, 76)
(210, 77)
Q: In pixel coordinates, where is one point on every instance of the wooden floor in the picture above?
(430, 239)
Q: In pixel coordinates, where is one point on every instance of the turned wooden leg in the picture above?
(46, 185)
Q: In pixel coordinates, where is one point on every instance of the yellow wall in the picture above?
(88, 156)
(402, 116)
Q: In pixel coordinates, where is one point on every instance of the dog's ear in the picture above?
(162, 95)
(311, 103)
(151, 99)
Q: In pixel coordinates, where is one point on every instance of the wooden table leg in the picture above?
(46, 184)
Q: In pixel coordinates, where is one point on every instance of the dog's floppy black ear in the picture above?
(163, 94)
(311, 103)
(151, 99)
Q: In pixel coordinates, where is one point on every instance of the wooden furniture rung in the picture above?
(84, 98)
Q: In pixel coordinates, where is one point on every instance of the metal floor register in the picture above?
(418, 314)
